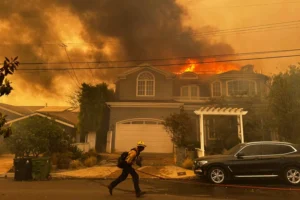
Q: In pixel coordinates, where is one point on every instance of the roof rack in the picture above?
(270, 142)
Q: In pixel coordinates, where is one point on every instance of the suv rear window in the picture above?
(269, 149)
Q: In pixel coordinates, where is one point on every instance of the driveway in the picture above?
(6, 162)
(156, 189)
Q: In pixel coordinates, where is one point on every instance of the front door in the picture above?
(249, 163)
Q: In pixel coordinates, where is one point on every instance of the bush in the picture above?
(64, 160)
(90, 162)
(187, 164)
(76, 152)
(89, 154)
(75, 164)
(54, 159)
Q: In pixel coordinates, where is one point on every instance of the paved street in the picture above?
(156, 189)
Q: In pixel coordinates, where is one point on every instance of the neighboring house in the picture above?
(145, 95)
(67, 117)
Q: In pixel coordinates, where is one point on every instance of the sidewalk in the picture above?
(112, 172)
(107, 170)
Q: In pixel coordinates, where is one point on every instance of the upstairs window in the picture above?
(241, 87)
(190, 91)
(145, 84)
(216, 89)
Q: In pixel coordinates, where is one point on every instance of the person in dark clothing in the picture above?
(133, 156)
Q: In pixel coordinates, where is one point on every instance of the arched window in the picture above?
(145, 84)
(216, 89)
(241, 87)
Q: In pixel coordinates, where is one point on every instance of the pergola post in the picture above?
(201, 133)
(241, 128)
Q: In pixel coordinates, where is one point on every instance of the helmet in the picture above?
(141, 144)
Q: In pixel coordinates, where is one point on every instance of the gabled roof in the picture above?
(64, 114)
(146, 66)
(41, 115)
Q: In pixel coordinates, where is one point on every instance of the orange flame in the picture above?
(208, 66)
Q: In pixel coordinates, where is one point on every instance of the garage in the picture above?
(152, 132)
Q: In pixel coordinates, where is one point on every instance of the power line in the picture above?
(65, 48)
(159, 65)
(165, 59)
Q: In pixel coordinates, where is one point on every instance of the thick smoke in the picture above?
(133, 30)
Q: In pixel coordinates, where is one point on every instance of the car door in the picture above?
(249, 163)
(273, 156)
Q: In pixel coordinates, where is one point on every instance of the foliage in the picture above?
(178, 125)
(90, 162)
(94, 113)
(284, 102)
(37, 135)
(187, 164)
(64, 160)
(75, 164)
(9, 67)
(76, 152)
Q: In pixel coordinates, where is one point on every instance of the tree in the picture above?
(94, 113)
(37, 135)
(178, 125)
(9, 67)
(284, 102)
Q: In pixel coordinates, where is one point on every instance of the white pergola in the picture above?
(239, 112)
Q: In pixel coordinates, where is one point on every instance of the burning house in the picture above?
(145, 95)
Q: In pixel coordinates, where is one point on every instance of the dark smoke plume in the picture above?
(143, 29)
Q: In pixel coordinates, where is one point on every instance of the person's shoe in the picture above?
(139, 194)
(110, 189)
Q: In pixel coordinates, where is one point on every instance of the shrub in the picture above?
(90, 162)
(187, 164)
(64, 160)
(76, 152)
(54, 159)
(75, 164)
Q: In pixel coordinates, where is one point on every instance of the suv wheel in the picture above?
(216, 175)
(292, 175)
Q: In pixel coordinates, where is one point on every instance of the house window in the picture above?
(190, 91)
(241, 87)
(216, 89)
(145, 84)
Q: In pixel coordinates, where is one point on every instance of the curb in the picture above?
(62, 177)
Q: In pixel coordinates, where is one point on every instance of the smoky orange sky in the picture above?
(98, 30)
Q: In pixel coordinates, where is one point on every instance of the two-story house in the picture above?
(146, 95)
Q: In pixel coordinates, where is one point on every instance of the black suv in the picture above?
(252, 160)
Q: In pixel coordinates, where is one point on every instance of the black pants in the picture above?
(135, 177)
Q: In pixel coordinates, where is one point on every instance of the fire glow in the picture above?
(207, 66)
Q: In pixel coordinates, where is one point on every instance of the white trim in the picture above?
(145, 81)
(41, 115)
(143, 105)
(220, 111)
(250, 80)
(212, 88)
(168, 75)
(11, 111)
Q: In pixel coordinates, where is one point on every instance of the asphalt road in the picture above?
(156, 189)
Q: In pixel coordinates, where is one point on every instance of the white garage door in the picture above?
(150, 131)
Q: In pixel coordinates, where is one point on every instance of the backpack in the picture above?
(122, 159)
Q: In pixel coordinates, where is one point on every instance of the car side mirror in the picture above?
(240, 155)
